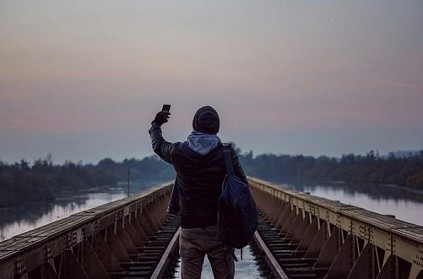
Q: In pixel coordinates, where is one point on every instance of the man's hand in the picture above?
(161, 117)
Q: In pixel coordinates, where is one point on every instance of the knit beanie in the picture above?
(206, 120)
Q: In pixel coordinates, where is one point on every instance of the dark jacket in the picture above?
(198, 177)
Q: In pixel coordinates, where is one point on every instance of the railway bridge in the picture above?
(299, 236)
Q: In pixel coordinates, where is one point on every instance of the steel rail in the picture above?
(158, 272)
(271, 261)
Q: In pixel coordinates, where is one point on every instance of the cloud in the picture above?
(399, 84)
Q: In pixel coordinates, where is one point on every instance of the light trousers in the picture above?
(195, 243)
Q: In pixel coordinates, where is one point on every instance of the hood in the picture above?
(202, 143)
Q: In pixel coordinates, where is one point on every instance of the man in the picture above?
(200, 170)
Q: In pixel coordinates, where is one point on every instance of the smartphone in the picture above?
(166, 108)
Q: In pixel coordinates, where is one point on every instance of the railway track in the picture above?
(279, 256)
(157, 257)
(276, 254)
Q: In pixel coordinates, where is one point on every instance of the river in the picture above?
(17, 220)
(403, 203)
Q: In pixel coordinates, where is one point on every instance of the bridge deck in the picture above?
(299, 236)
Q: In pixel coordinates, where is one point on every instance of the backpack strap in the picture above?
(228, 158)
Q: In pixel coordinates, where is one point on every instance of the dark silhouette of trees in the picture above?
(149, 168)
(22, 182)
(371, 168)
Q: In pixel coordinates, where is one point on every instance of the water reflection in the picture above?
(17, 220)
(23, 218)
(405, 204)
(374, 191)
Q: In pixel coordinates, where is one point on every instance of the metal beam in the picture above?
(91, 263)
(395, 237)
(71, 268)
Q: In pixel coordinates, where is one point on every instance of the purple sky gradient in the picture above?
(83, 79)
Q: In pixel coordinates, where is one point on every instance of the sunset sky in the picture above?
(82, 80)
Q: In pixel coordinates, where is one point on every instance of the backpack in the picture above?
(237, 212)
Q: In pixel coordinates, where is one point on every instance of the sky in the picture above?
(82, 80)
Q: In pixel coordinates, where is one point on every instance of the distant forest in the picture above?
(22, 182)
(401, 170)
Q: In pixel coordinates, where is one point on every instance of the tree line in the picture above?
(23, 182)
(404, 171)
(41, 181)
